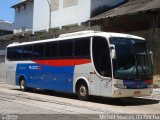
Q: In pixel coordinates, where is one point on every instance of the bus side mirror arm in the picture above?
(151, 55)
(113, 51)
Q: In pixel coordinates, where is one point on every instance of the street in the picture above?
(14, 101)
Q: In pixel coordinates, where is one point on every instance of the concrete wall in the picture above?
(2, 66)
(74, 14)
(6, 26)
(41, 15)
(62, 14)
(24, 18)
(2, 73)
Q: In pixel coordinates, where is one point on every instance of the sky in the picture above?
(6, 12)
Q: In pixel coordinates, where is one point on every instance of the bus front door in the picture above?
(95, 84)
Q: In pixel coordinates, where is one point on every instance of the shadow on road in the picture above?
(100, 100)
(124, 101)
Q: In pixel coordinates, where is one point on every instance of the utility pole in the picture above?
(49, 16)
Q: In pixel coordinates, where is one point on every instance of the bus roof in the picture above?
(79, 35)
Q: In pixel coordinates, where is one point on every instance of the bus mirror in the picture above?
(150, 52)
(151, 55)
(113, 51)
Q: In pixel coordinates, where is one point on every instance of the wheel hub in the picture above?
(22, 84)
(83, 91)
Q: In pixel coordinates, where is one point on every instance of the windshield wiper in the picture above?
(140, 65)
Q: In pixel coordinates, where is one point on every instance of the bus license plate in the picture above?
(137, 93)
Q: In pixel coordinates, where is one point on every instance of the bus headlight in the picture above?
(120, 86)
(150, 86)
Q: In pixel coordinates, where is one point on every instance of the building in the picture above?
(5, 28)
(41, 15)
(23, 20)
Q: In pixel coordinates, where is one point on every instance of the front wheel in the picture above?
(22, 85)
(83, 92)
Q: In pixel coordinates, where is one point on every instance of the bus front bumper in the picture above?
(131, 92)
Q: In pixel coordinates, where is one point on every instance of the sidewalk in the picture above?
(156, 94)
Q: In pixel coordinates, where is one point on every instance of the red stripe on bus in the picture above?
(149, 81)
(67, 62)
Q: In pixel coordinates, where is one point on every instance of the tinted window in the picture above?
(18, 53)
(14, 53)
(51, 49)
(101, 56)
(66, 48)
(82, 47)
(10, 53)
(27, 52)
(38, 51)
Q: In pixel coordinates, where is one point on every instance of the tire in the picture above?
(83, 92)
(22, 85)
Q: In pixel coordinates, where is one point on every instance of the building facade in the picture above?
(6, 28)
(23, 20)
(39, 15)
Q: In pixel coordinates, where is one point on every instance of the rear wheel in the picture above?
(83, 91)
(22, 85)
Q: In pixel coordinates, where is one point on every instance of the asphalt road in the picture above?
(50, 104)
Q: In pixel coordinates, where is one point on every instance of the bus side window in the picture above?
(66, 49)
(38, 51)
(10, 53)
(82, 48)
(17, 53)
(14, 53)
(51, 49)
(27, 52)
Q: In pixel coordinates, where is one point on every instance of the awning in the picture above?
(21, 3)
(130, 7)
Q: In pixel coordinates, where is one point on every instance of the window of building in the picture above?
(54, 4)
(18, 9)
(68, 3)
(23, 6)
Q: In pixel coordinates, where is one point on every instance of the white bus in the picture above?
(85, 63)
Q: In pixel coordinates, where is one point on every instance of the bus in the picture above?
(85, 63)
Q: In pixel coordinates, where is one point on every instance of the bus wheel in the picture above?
(83, 92)
(22, 85)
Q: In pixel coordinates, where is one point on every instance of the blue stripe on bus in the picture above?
(133, 84)
(47, 77)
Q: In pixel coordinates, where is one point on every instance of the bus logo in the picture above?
(35, 67)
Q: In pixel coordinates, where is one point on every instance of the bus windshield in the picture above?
(132, 59)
